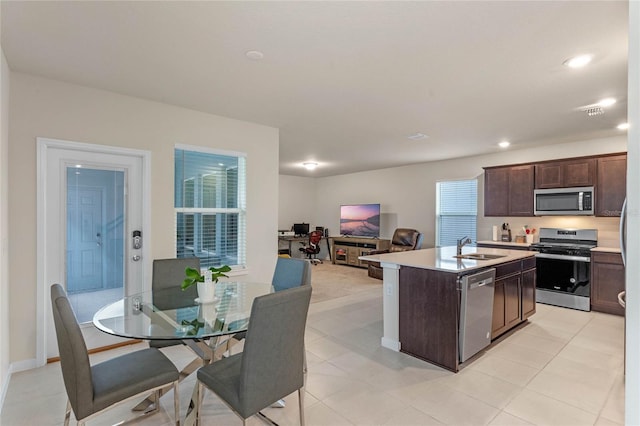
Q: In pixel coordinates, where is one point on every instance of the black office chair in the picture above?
(312, 249)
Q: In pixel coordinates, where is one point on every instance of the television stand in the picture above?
(346, 250)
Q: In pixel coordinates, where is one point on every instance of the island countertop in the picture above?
(443, 258)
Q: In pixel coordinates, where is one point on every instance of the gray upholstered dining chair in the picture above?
(92, 389)
(289, 273)
(168, 274)
(270, 366)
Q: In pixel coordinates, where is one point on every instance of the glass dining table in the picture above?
(206, 327)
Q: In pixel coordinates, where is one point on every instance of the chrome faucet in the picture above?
(460, 243)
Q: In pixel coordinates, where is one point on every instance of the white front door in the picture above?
(91, 200)
(85, 223)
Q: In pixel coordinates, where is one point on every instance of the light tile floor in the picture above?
(564, 367)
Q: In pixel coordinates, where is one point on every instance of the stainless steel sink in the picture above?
(479, 256)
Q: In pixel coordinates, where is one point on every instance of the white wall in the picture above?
(4, 217)
(51, 109)
(407, 194)
(297, 201)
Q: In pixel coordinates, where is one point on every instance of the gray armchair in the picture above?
(404, 239)
(270, 366)
(94, 388)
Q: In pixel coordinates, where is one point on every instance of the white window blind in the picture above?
(456, 211)
(210, 205)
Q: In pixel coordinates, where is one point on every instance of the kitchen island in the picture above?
(421, 297)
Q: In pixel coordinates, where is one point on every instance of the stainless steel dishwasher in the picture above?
(476, 312)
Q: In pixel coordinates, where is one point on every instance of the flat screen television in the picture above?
(360, 220)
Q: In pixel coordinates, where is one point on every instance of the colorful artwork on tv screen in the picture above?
(360, 220)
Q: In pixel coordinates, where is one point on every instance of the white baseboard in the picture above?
(15, 367)
(23, 365)
(3, 391)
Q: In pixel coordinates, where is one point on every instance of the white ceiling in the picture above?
(346, 82)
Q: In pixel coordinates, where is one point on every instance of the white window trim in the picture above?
(208, 150)
(236, 270)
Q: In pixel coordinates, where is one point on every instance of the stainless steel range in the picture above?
(563, 267)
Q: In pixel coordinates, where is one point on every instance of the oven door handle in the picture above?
(563, 257)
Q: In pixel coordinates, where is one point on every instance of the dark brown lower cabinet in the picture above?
(607, 280)
(515, 295)
(506, 305)
(528, 292)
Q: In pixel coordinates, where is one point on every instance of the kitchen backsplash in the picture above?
(608, 227)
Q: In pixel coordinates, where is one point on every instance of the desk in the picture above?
(137, 317)
(289, 240)
(304, 240)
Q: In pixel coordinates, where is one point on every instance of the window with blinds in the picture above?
(456, 211)
(210, 205)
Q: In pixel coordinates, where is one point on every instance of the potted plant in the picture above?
(204, 281)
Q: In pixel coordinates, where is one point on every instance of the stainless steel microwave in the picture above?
(564, 201)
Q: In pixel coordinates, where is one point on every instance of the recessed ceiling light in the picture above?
(578, 61)
(623, 126)
(78, 166)
(417, 136)
(504, 144)
(593, 110)
(256, 55)
(310, 165)
(606, 102)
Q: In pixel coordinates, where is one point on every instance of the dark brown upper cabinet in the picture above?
(566, 173)
(611, 187)
(508, 191)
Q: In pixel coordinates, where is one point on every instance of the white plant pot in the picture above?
(209, 313)
(206, 292)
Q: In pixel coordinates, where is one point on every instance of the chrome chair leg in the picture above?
(156, 403)
(301, 405)
(279, 404)
(199, 401)
(176, 401)
(264, 418)
(67, 414)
